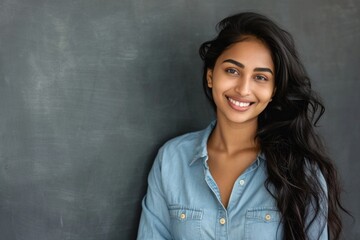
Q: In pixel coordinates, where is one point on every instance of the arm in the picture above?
(319, 225)
(155, 219)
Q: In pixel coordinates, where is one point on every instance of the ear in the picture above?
(273, 94)
(274, 91)
(209, 77)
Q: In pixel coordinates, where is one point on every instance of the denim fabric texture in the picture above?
(183, 200)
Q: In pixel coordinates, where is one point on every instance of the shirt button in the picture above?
(267, 217)
(242, 182)
(183, 216)
(222, 221)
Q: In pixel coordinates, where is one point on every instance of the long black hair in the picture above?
(300, 173)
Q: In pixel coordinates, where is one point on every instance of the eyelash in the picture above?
(233, 71)
(262, 78)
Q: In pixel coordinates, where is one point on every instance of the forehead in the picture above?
(250, 51)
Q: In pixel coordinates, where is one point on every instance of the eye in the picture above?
(261, 78)
(232, 71)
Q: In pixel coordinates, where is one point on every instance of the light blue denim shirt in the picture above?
(183, 200)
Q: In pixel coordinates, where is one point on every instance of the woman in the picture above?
(259, 171)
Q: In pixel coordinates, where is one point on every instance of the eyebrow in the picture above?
(240, 65)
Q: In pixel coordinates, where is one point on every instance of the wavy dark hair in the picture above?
(286, 129)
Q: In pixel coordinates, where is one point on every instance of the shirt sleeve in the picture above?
(318, 229)
(155, 218)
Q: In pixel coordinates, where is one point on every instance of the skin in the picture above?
(244, 73)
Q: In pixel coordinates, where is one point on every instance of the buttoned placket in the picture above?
(222, 224)
(221, 229)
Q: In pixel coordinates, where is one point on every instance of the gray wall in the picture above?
(90, 89)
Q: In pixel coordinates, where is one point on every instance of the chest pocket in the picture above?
(263, 223)
(185, 222)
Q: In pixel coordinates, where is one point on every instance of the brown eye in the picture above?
(232, 71)
(261, 78)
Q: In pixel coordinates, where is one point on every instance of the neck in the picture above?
(232, 137)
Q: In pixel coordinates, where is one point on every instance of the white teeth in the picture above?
(239, 104)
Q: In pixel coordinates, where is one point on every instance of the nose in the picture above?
(243, 86)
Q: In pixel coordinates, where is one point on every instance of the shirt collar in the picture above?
(201, 148)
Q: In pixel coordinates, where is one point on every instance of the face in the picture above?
(242, 81)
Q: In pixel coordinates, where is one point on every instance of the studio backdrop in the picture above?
(90, 89)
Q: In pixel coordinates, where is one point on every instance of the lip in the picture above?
(239, 104)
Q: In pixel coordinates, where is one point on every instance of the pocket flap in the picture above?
(184, 213)
(264, 214)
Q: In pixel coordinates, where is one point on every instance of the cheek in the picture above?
(218, 92)
(222, 84)
(266, 94)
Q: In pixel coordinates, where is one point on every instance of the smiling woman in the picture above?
(241, 90)
(259, 171)
(242, 81)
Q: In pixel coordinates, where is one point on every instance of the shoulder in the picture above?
(186, 143)
(187, 148)
(184, 140)
(175, 157)
(314, 175)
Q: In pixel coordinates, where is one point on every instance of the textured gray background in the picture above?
(90, 89)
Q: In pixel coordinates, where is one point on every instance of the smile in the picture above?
(238, 103)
